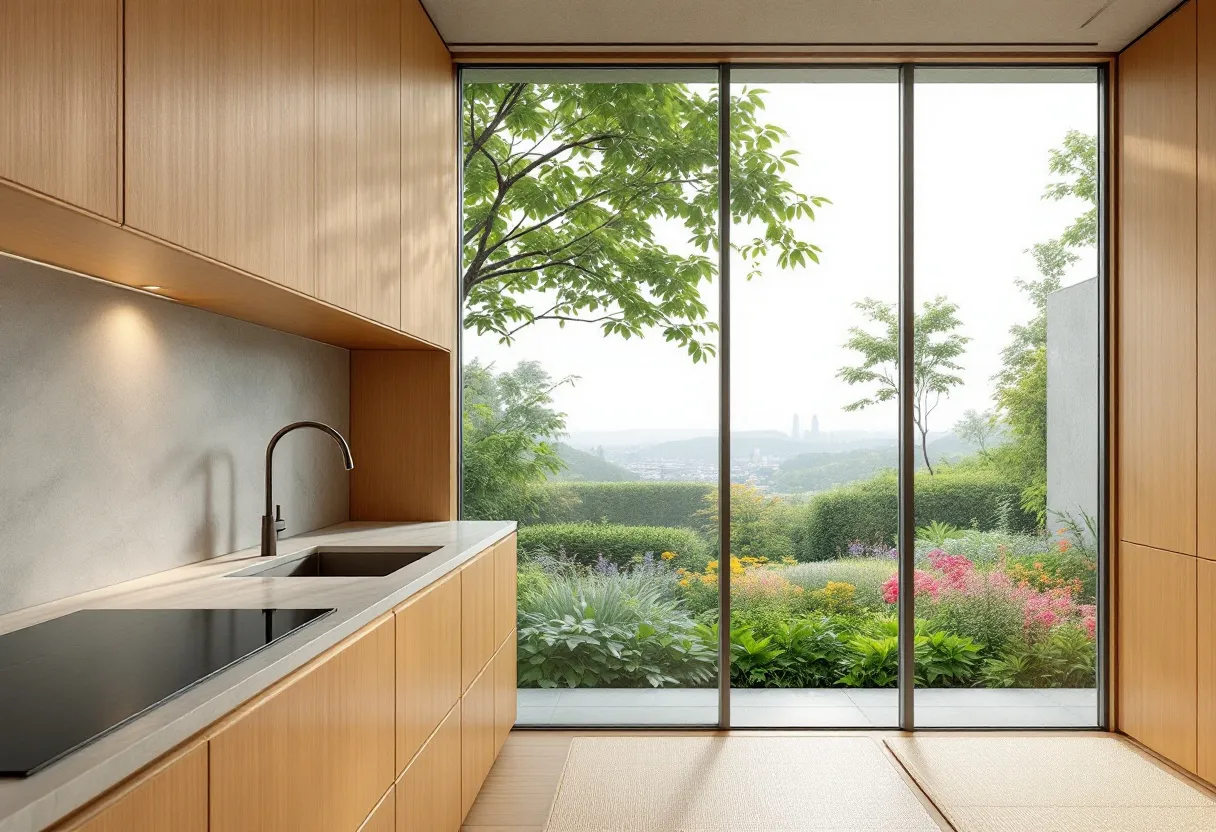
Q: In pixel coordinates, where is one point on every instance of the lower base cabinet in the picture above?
(172, 795)
(476, 736)
(429, 791)
(384, 817)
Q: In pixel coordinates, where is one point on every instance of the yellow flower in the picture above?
(788, 561)
(668, 556)
(711, 566)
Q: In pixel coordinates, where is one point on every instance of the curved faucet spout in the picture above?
(269, 519)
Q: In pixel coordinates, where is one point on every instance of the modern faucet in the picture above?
(272, 518)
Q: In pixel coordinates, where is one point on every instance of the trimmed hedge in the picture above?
(672, 504)
(585, 542)
(869, 511)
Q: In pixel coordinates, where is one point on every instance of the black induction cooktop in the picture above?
(65, 682)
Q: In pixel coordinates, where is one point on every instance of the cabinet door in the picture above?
(428, 793)
(318, 753)
(430, 206)
(1157, 652)
(173, 795)
(59, 71)
(384, 817)
(477, 616)
(428, 664)
(505, 691)
(1206, 616)
(220, 131)
(476, 738)
(505, 566)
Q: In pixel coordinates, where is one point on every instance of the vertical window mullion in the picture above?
(724, 396)
(906, 543)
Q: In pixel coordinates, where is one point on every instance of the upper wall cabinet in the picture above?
(429, 245)
(1157, 410)
(221, 131)
(59, 93)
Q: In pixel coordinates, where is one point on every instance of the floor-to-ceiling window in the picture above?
(593, 388)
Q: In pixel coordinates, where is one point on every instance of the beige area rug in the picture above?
(1052, 784)
(733, 784)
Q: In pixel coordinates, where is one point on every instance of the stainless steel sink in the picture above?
(339, 563)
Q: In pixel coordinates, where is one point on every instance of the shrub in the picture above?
(944, 660)
(871, 662)
(672, 504)
(618, 630)
(1065, 567)
(867, 576)
(622, 545)
(867, 512)
(1065, 659)
(987, 548)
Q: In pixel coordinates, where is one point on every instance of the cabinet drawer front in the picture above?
(316, 755)
(505, 691)
(428, 664)
(476, 738)
(173, 796)
(428, 793)
(505, 566)
(477, 616)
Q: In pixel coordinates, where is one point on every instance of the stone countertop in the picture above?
(36, 802)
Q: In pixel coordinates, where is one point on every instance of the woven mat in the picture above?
(1051, 784)
(733, 784)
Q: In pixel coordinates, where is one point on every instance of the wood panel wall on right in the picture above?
(1166, 300)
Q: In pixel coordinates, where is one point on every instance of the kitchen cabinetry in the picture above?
(317, 754)
(477, 616)
(59, 92)
(384, 817)
(171, 795)
(428, 664)
(505, 569)
(429, 792)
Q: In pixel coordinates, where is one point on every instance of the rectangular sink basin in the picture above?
(337, 563)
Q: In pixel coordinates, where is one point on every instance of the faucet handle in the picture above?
(280, 525)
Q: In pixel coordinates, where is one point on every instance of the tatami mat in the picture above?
(733, 784)
(1051, 784)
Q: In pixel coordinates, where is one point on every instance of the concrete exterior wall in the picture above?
(133, 432)
(1072, 401)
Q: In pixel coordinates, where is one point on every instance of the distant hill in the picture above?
(821, 471)
(582, 466)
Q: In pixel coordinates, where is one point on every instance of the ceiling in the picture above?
(777, 25)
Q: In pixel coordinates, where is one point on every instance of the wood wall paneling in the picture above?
(1157, 651)
(505, 571)
(400, 425)
(476, 737)
(477, 616)
(318, 753)
(384, 817)
(220, 131)
(1206, 669)
(1206, 275)
(60, 95)
(428, 664)
(428, 170)
(171, 795)
(429, 792)
(1157, 256)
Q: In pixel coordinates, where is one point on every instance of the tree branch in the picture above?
(505, 106)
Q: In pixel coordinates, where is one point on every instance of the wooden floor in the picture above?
(520, 788)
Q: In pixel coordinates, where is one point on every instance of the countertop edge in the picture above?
(191, 713)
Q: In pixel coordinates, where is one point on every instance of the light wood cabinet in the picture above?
(318, 753)
(59, 93)
(477, 616)
(171, 795)
(429, 792)
(1206, 275)
(220, 131)
(506, 694)
(1157, 287)
(1157, 650)
(476, 737)
(384, 817)
(430, 199)
(505, 569)
(428, 664)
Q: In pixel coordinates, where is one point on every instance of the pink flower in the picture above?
(955, 569)
(924, 582)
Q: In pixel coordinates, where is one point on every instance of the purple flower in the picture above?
(604, 566)
(856, 548)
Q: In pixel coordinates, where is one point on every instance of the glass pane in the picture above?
(1007, 397)
(814, 421)
(591, 380)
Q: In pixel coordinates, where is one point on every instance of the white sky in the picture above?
(981, 169)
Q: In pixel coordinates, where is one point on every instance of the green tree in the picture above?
(937, 346)
(509, 430)
(564, 185)
(978, 429)
(759, 527)
(1021, 384)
